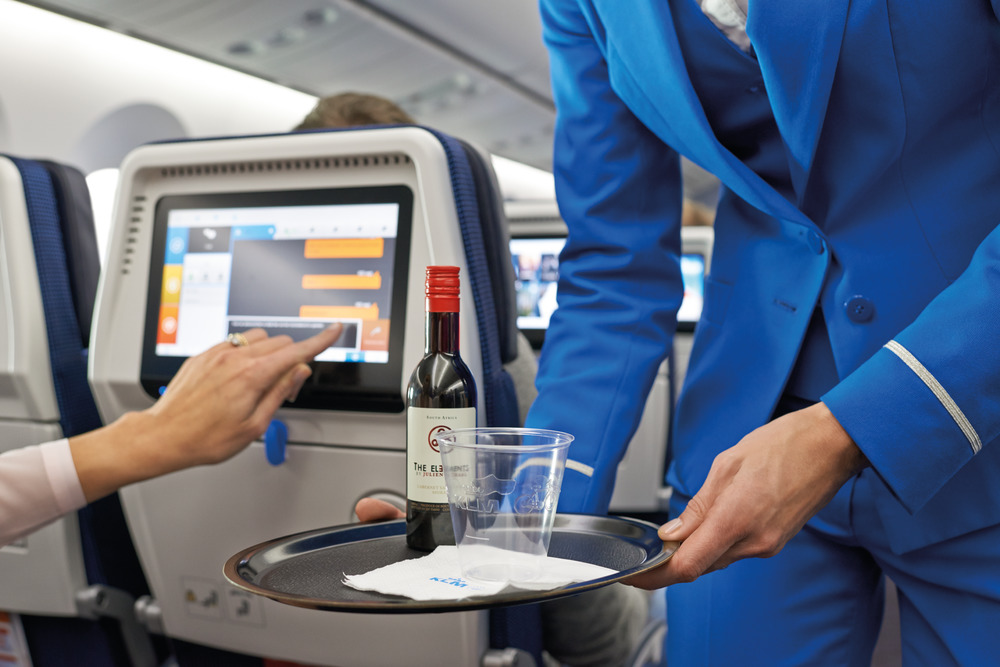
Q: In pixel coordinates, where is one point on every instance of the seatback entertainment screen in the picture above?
(536, 271)
(291, 263)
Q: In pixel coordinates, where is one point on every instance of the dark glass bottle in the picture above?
(441, 396)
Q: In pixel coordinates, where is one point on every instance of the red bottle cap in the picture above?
(442, 289)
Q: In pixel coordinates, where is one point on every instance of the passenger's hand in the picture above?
(219, 402)
(758, 494)
(224, 398)
(373, 509)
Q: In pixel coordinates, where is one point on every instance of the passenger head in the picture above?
(352, 109)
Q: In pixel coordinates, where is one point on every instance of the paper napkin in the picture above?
(438, 576)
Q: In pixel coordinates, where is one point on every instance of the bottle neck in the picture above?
(441, 333)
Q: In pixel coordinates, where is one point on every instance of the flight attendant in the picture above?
(839, 413)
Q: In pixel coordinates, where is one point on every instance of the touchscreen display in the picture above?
(536, 272)
(693, 274)
(291, 263)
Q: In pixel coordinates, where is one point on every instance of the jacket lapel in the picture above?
(648, 72)
(797, 44)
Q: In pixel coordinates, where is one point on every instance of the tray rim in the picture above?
(397, 605)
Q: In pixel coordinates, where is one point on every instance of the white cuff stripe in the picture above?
(939, 391)
(580, 467)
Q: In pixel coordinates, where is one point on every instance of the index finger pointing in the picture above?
(310, 347)
(280, 359)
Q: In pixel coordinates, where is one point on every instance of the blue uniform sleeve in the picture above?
(620, 285)
(926, 403)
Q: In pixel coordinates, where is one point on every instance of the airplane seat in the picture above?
(111, 557)
(288, 232)
(509, 627)
(516, 354)
(74, 581)
(491, 273)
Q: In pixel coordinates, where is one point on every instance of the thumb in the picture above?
(687, 522)
(373, 509)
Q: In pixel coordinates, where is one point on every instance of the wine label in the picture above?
(425, 473)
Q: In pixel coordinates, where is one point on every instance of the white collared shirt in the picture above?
(730, 16)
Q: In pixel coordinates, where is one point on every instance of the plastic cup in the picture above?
(503, 488)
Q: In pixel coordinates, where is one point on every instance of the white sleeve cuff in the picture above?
(61, 471)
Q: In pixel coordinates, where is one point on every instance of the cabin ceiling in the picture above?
(475, 69)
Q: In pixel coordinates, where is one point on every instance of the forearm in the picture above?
(121, 453)
(219, 401)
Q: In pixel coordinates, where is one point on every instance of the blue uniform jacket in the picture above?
(876, 198)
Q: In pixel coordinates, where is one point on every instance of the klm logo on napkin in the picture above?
(458, 582)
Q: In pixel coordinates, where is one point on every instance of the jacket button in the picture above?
(859, 309)
(816, 243)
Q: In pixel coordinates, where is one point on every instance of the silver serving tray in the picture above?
(306, 569)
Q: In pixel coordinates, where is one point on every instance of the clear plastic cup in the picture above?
(503, 488)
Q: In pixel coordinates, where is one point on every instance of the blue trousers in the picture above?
(820, 600)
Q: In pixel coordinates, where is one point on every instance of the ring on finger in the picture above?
(237, 340)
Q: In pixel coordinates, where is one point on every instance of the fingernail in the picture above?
(670, 527)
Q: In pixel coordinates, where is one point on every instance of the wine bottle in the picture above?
(441, 396)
